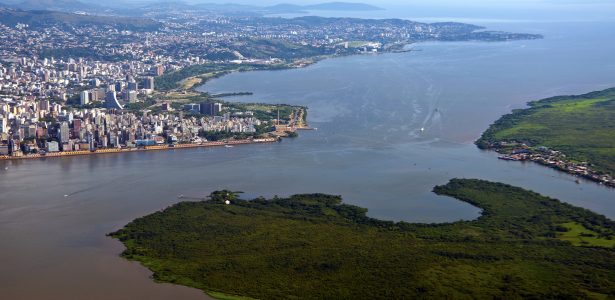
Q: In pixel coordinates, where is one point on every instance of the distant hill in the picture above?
(346, 6)
(228, 7)
(55, 5)
(342, 6)
(118, 6)
(39, 19)
(285, 7)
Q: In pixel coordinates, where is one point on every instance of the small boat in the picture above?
(422, 129)
(228, 146)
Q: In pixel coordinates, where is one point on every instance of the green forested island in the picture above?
(572, 133)
(313, 246)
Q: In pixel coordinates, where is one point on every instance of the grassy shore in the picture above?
(581, 127)
(188, 77)
(314, 246)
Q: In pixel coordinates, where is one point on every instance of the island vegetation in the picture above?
(314, 246)
(572, 133)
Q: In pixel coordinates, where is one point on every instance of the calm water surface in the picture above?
(369, 147)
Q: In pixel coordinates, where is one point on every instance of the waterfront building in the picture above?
(76, 127)
(64, 132)
(52, 146)
(3, 126)
(4, 149)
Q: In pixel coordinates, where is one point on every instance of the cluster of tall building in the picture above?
(208, 108)
(117, 94)
(35, 126)
(79, 82)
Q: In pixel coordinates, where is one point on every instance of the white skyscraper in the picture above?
(85, 97)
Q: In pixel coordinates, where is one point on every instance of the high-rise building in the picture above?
(111, 101)
(43, 105)
(149, 83)
(206, 108)
(131, 96)
(133, 86)
(98, 95)
(41, 131)
(64, 132)
(85, 97)
(210, 108)
(95, 82)
(3, 126)
(193, 107)
(158, 70)
(77, 127)
(166, 106)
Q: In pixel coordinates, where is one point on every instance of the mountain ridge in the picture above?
(91, 6)
(44, 18)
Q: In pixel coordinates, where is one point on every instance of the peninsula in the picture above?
(313, 247)
(574, 134)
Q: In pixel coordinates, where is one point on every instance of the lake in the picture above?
(369, 148)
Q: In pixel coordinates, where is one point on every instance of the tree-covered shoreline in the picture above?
(575, 134)
(314, 246)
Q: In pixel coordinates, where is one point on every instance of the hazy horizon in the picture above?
(528, 10)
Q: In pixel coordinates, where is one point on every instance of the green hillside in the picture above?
(582, 127)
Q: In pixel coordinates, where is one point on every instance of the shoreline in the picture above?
(564, 166)
(528, 220)
(398, 48)
(142, 149)
(557, 132)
